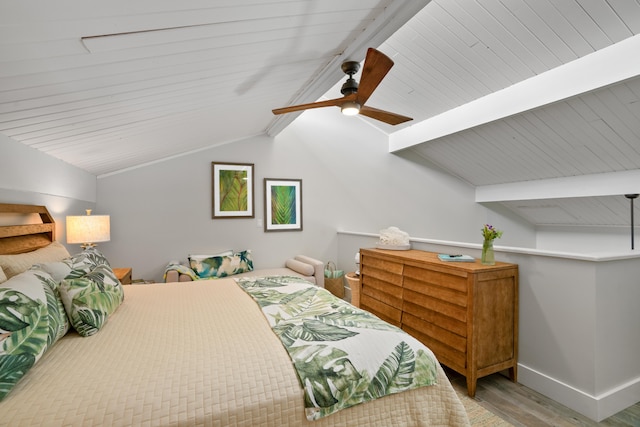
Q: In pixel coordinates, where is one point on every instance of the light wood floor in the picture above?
(522, 406)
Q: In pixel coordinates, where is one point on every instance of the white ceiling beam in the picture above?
(603, 184)
(605, 67)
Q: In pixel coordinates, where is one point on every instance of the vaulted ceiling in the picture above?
(111, 85)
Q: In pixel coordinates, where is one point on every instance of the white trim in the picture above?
(595, 407)
(601, 257)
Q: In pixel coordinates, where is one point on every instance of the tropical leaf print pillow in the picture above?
(24, 327)
(222, 266)
(58, 269)
(58, 321)
(85, 262)
(91, 299)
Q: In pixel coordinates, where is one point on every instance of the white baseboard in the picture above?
(595, 407)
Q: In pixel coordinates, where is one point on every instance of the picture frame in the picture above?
(232, 190)
(282, 204)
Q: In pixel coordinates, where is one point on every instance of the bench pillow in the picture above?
(222, 266)
(300, 267)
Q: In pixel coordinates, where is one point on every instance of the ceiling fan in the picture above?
(376, 66)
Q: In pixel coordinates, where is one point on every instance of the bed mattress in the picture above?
(196, 353)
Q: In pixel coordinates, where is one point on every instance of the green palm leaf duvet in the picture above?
(343, 356)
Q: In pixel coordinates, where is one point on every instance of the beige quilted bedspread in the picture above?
(196, 353)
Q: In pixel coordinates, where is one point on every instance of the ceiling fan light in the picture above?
(350, 108)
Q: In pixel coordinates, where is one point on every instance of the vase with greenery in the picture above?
(490, 234)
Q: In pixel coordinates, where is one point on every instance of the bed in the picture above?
(195, 353)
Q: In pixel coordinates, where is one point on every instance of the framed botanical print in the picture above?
(282, 204)
(232, 185)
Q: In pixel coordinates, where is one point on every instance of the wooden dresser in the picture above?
(466, 313)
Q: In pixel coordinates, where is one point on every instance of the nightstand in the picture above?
(123, 274)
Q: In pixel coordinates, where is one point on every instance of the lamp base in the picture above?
(86, 246)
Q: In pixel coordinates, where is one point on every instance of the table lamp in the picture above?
(88, 229)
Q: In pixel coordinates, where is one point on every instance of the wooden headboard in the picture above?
(16, 239)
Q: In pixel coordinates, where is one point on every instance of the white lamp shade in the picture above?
(88, 229)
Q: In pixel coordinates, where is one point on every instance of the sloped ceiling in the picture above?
(111, 85)
(480, 54)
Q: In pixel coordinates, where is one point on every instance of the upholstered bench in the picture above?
(301, 265)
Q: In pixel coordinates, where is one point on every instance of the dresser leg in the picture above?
(513, 373)
(471, 385)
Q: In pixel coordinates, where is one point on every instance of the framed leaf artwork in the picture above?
(282, 204)
(232, 190)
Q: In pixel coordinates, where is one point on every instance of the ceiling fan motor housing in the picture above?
(350, 86)
(350, 67)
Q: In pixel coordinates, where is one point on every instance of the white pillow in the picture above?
(3, 277)
(57, 269)
(16, 264)
(300, 267)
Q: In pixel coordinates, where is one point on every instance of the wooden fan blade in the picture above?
(328, 103)
(384, 116)
(376, 66)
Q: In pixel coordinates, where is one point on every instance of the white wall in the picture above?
(584, 239)
(578, 322)
(349, 180)
(579, 330)
(28, 176)
(23, 168)
(163, 212)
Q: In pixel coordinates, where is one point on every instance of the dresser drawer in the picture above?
(381, 275)
(450, 349)
(386, 292)
(436, 293)
(452, 280)
(384, 311)
(381, 264)
(448, 317)
(381, 292)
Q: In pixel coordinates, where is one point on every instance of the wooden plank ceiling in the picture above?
(460, 51)
(111, 85)
(455, 52)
